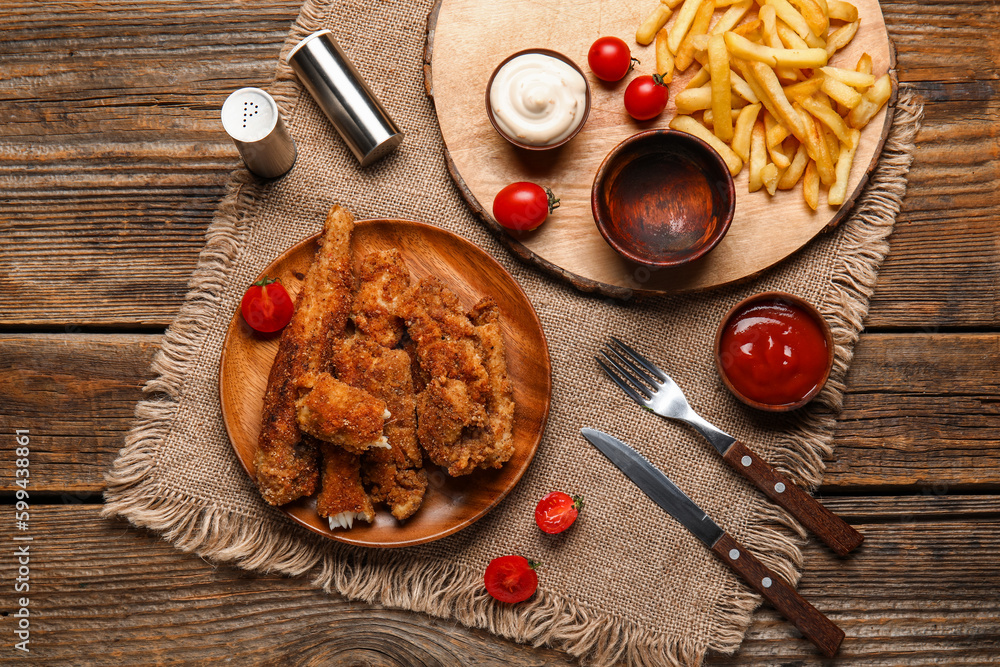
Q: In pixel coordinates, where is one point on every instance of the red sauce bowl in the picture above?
(663, 198)
(774, 351)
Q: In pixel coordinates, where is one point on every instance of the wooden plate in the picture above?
(451, 503)
(466, 40)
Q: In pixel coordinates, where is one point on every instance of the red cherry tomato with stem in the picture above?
(610, 59)
(557, 511)
(266, 306)
(522, 206)
(646, 97)
(511, 578)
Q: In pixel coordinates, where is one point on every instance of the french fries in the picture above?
(743, 131)
(693, 127)
(732, 16)
(810, 186)
(653, 23)
(694, 99)
(718, 65)
(685, 17)
(699, 26)
(839, 188)
(664, 59)
(767, 94)
(758, 156)
(794, 171)
(872, 101)
(769, 177)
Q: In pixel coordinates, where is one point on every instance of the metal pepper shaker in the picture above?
(344, 97)
(252, 120)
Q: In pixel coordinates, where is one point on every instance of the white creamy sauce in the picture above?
(538, 99)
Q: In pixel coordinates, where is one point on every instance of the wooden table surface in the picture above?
(112, 160)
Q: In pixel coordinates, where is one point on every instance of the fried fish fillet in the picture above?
(286, 465)
(342, 499)
(485, 315)
(341, 414)
(393, 475)
(463, 414)
(382, 279)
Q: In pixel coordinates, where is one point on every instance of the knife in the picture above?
(819, 629)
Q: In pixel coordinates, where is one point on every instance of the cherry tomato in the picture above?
(511, 578)
(266, 306)
(646, 97)
(557, 511)
(610, 58)
(523, 206)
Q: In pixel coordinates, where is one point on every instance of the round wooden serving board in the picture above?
(468, 38)
(451, 503)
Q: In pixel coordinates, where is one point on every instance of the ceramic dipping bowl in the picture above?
(663, 198)
(513, 139)
(774, 351)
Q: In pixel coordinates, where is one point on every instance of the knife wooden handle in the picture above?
(817, 628)
(827, 526)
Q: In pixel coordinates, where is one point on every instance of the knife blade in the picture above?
(819, 629)
(657, 486)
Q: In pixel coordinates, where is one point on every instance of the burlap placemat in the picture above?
(626, 582)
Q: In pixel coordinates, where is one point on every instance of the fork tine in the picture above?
(621, 383)
(627, 374)
(643, 361)
(636, 371)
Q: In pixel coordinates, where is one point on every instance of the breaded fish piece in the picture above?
(286, 466)
(433, 312)
(382, 279)
(392, 474)
(451, 427)
(338, 413)
(485, 316)
(464, 414)
(342, 499)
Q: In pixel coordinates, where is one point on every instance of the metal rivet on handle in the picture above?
(746, 461)
(734, 554)
(766, 582)
(779, 487)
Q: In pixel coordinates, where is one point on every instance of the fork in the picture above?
(654, 390)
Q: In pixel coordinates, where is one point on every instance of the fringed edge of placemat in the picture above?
(443, 589)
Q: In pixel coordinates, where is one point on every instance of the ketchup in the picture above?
(774, 352)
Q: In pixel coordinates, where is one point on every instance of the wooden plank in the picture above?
(920, 414)
(921, 410)
(115, 190)
(918, 591)
(76, 395)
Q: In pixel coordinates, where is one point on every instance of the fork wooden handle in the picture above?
(824, 524)
(817, 628)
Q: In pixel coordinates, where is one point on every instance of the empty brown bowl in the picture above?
(774, 351)
(552, 96)
(663, 198)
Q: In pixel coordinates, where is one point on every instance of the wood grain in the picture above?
(451, 503)
(93, 223)
(920, 590)
(811, 622)
(470, 39)
(111, 164)
(920, 414)
(831, 529)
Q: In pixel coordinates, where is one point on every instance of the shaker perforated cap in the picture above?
(331, 79)
(252, 120)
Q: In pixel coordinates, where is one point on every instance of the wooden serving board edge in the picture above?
(587, 285)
